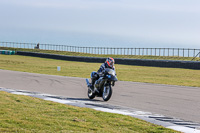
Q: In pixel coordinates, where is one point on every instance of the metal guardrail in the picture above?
(138, 62)
(178, 52)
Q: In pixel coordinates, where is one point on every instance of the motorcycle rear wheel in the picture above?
(107, 93)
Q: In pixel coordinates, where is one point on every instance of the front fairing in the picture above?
(115, 79)
(111, 75)
(112, 78)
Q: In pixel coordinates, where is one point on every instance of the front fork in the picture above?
(107, 83)
(88, 83)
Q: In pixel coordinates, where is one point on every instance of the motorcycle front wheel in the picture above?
(91, 95)
(107, 92)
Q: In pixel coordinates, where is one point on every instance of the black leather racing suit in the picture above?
(99, 74)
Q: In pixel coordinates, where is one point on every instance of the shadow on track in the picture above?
(84, 99)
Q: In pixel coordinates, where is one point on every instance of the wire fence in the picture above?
(178, 52)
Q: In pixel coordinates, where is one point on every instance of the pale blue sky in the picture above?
(121, 23)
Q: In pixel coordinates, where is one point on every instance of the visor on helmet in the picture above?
(110, 62)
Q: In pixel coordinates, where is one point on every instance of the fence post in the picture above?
(178, 52)
(112, 51)
(107, 50)
(147, 50)
(159, 51)
(199, 53)
(183, 52)
(139, 51)
(131, 51)
(142, 51)
(92, 50)
(168, 51)
(164, 52)
(135, 51)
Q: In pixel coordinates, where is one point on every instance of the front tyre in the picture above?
(107, 93)
(91, 95)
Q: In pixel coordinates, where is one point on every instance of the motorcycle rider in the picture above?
(95, 76)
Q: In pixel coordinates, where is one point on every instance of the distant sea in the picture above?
(84, 39)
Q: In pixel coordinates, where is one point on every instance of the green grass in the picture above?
(171, 76)
(96, 55)
(28, 114)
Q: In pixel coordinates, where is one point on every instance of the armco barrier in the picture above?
(7, 52)
(138, 62)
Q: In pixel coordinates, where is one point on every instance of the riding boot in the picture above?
(97, 84)
(92, 84)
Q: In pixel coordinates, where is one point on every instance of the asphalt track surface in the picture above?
(173, 101)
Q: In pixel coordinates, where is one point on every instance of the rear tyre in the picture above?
(107, 93)
(91, 95)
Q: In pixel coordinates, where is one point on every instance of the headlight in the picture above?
(109, 76)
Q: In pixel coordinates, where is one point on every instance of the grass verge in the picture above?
(96, 55)
(171, 76)
(28, 114)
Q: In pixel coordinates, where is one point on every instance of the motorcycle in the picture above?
(102, 86)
